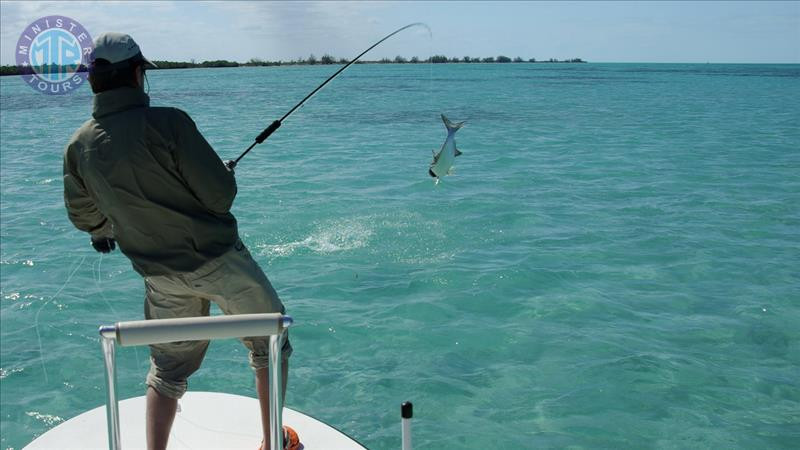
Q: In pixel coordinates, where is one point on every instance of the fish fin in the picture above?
(450, 125)
(435, 158)
(458, 152)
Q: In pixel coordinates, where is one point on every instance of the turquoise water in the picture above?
(613, 264)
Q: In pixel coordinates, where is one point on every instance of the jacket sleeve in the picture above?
(81, 209)
(202, 170)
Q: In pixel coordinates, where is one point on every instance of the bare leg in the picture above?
(262, 387)
(160, 415)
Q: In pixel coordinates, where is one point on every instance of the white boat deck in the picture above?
(206, 420)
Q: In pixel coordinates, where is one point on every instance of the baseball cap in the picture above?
(119, 49)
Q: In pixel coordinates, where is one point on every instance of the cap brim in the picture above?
(149, 64)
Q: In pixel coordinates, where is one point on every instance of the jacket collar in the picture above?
(117, 100)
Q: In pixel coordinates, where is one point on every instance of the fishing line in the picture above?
(276, 124)
(97, 276)
(36, 318)
(97, 281)
(17, 331)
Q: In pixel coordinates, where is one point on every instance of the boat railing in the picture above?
(159, 331)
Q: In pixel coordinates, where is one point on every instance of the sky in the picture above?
(717, 32)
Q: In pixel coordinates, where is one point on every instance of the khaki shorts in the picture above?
(236, 284)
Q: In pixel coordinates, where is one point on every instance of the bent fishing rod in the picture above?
(276, 124)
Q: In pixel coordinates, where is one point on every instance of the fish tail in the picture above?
(450, 125)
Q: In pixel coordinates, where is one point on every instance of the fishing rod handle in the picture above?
(267, 131)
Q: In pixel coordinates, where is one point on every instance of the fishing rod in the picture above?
(276, 124)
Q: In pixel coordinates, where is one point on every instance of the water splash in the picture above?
(348, 234)
(5, 373)
(47, 419)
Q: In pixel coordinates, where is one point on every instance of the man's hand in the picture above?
(104, 244)
(230, 165)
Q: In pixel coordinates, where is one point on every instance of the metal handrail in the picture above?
(159, 331)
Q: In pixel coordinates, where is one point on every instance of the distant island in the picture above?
(310, 61)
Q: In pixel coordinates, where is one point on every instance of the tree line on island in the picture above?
(311, 60)
(328, 59)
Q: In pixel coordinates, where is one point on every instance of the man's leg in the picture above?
(171, 364)
(262, 388)
(245, 289)
(160, 415)
(170, 367)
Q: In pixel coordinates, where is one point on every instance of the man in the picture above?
(145, 178)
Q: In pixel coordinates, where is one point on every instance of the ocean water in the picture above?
(613, 264)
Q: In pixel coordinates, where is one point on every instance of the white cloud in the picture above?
(131, 17)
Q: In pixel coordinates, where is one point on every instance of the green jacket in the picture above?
(147, 177)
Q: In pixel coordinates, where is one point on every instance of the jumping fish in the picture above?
(443, 161)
